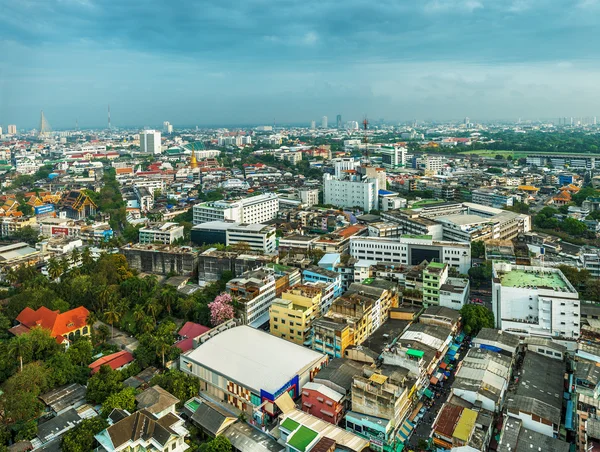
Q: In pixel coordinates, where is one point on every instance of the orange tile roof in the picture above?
(115, 361)
(563, 196)
(58, 324)
(351, 230)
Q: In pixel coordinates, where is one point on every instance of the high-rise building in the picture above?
(167, 127)
(12, 129)
(537, 301)
(338, 120)
(150, 142)
(0, 130)
(324, 122)
(313, 125)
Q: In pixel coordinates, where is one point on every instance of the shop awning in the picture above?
(433, 380)
(416, 353)
(569, 415)
(443, 365)
(428, 393)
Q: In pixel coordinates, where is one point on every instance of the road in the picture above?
(423, 428)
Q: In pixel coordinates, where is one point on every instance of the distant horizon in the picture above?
(373, 123)
(250, 62)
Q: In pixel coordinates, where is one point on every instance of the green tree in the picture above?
(19, 402)
(19, 348)
(113, 315)
(180, 384)
(81, 438)
(478, 249)
(124, 400)
(54, 268)
(102, 384)
(27, 234)
(475, 317)
(218, 444)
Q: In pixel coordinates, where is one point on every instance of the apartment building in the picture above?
(165, 233)
(291, 316)
(441, 290)
(380, 405)
(328, 281)
(535, 301)
(150, 142)
(351, 191)
(254, 292)
(11, 225)
(309, 197)
(492, 198)
(412, 250)
(255, 209)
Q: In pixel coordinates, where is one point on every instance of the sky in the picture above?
(225, 62)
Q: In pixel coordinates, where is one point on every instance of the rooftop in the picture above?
(257, 359)
(533, 279)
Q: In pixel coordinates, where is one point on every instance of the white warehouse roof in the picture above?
(254, 358)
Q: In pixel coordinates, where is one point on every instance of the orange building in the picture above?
(64, 327)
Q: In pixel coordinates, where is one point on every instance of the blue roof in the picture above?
(329, 258)
(386, 192)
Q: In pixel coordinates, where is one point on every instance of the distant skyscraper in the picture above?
(571, 120)
(12, 129)
(595, 123)
(150, 142)
(324, 122)
(467, 121)
(339, 121)
(167, 127)
(0, 130)
(313, 125)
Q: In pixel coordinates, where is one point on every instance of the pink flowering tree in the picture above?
(221, 309)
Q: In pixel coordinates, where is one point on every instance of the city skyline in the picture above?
(250, 63)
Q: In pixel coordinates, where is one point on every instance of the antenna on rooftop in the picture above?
(365, 124)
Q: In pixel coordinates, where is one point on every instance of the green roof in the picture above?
(436, 265)
(368, 281)
(416, 353)
(302, 438)
(415, 236)
(532, 278)
(289, 424)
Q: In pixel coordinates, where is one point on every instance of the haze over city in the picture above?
(249, 62)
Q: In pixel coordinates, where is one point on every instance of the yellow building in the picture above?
(292, 315)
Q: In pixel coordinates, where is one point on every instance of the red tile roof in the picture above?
(115, 361)
(191, 329)
(58, 324)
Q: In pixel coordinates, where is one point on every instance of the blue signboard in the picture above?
(45, 208)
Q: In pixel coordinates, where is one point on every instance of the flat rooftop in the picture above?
(533, 279)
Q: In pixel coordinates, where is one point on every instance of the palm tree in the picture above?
(169, 297)
(185, 305)
(54, 268)
(150, 283)
(105, 296)
(163, 344)
(65, 264)
(113, 315)
(11, 275)
(86, 257)
(153, 308)
(19, 346)
(92, 318)
(139, 313)
(75, 256)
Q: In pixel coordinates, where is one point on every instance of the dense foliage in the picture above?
(475, 317)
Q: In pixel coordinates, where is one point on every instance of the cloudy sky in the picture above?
(227, 62)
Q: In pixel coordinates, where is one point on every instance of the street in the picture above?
(423, 428)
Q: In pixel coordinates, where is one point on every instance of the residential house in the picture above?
(64, 327)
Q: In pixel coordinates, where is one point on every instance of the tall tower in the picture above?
(324, 122)
(193, 161)
(366, 138)
(339, 121)
(44, 126)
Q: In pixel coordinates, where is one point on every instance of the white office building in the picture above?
(535, 301)
(12, 129)
(324, 122)
(393, 157)
(352, 191)
(344, 164)
(309, 196)
(259, 237)
(150, 142)
(165, 233)
(411, 251)
(255, 209)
